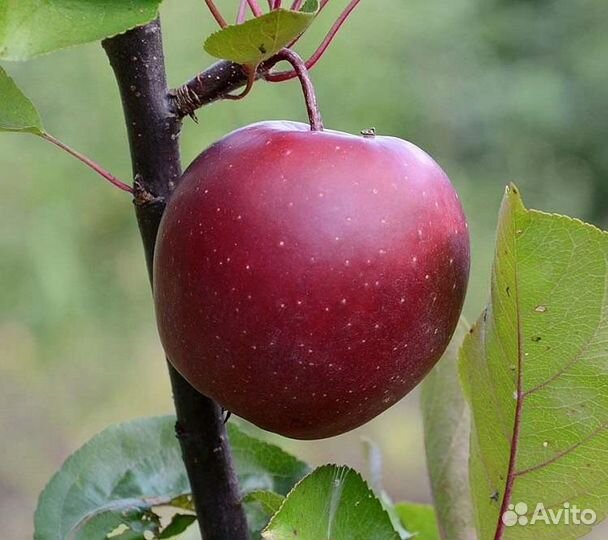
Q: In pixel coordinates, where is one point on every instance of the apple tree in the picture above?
(306, 280)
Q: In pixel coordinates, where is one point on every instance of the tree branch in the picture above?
(217, 82)
(222, 78)
(211, 85)
(153, 130)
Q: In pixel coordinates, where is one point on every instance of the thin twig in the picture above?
(89, 163)
(251, 78)
(297, 6)
(318, 54)
(208, 86)
(240, 16)
(255, 8)
(216, 13)
(222, 78)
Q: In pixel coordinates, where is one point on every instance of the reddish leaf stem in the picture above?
(318, 54)
(516, 437)
(216, 13)
(89, 163)
(314, 115)
(275, 5)
(251, 77)
(240, 17)
(255, 8)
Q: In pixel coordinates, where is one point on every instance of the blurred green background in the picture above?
(495, 90)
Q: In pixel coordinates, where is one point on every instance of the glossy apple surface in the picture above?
(306, 280)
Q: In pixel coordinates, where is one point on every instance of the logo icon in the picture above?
(516, 515)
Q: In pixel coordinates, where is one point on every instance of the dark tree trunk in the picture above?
(153, 130)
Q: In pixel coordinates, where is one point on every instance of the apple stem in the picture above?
(314, 115)
(89, 163)
(255, 7)
(221, 78)
(216, 13)
(318, 54)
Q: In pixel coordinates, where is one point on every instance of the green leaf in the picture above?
(17, 113)
(447, 418)
(535, 372)
(258, 39)
(420, 519)
(310, 6)
(184, 502)
(116, 479)
(269, 500)
(126, 468)
(332, 503)
(262, 466)
(32, 27)
(179, 523)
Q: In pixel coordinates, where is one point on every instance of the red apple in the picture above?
(308, 280)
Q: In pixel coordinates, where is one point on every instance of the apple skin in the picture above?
(308, 280)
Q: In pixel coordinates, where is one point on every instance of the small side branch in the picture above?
(221, 79)
(255, 7)
(242, 12)
(213, 84)
(318, 54)
(216, 13)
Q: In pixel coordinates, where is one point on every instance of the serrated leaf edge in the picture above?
(265, 532)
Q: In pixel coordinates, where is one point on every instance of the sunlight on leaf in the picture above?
(179, 524)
